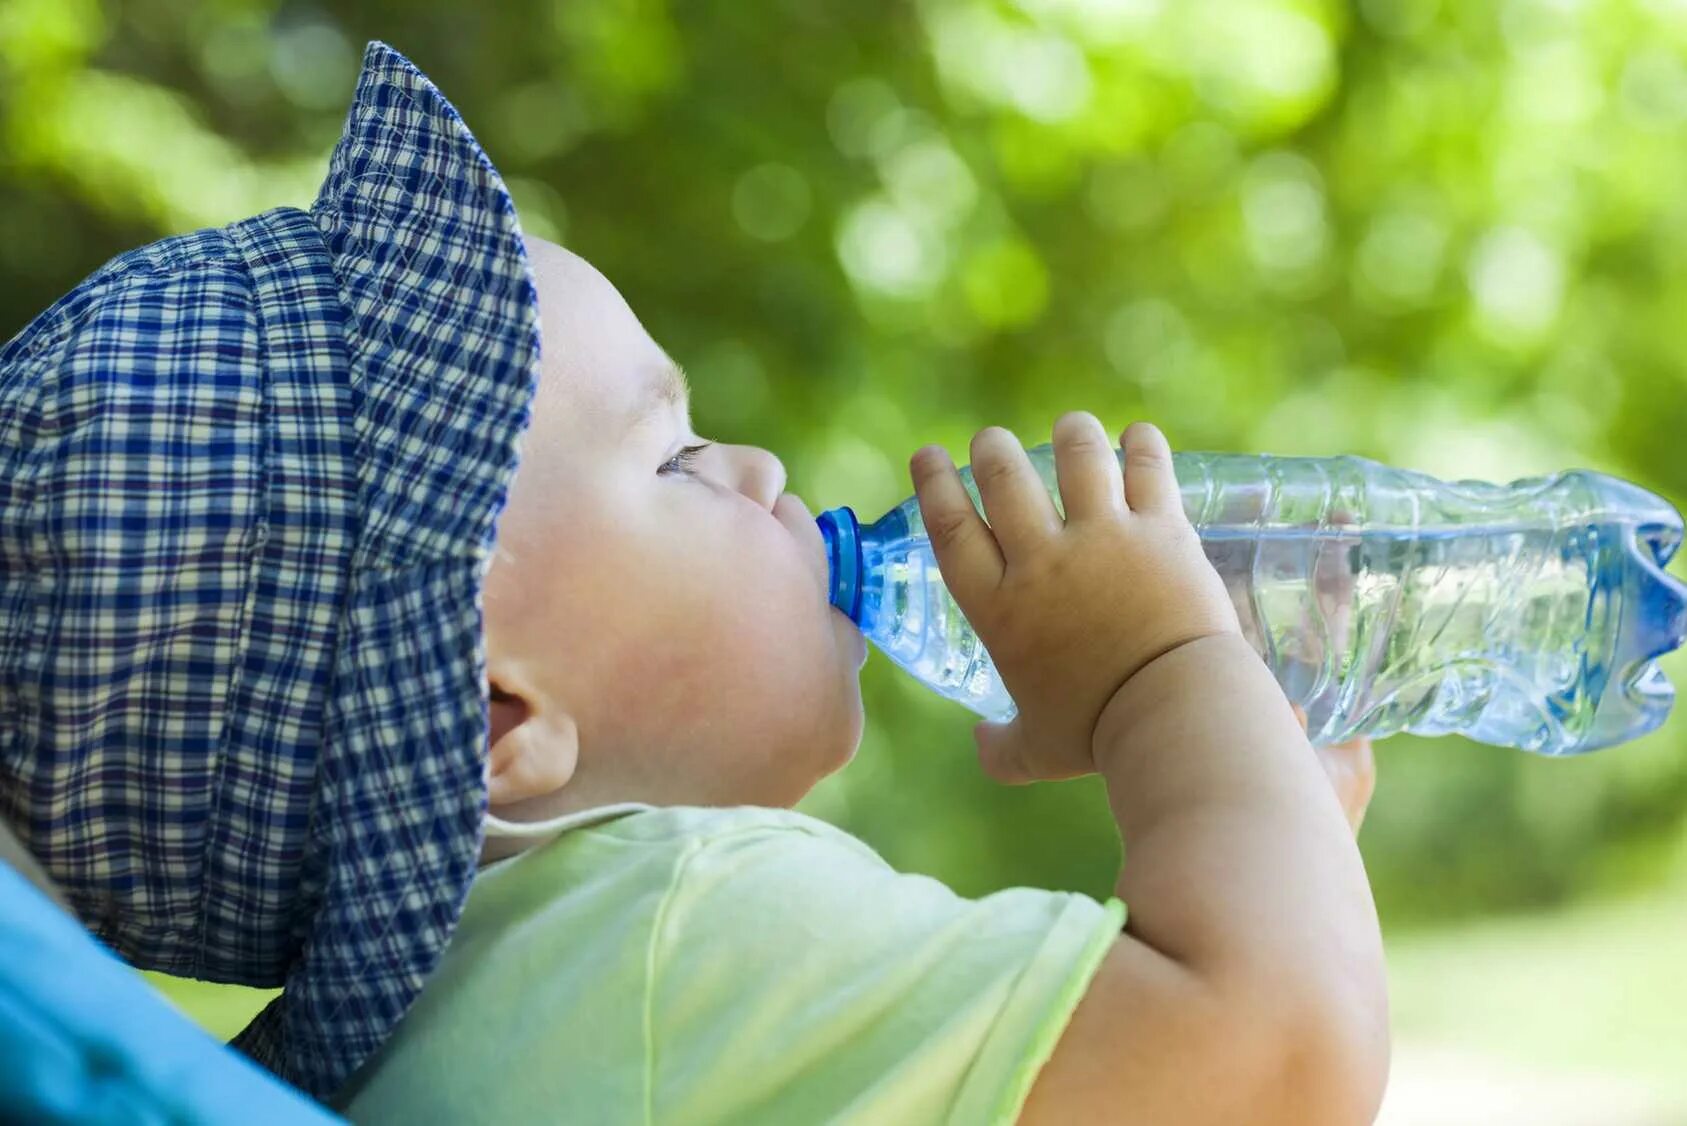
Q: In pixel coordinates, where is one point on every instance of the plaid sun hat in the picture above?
(249, 480)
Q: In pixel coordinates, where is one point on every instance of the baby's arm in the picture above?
(1249, 984)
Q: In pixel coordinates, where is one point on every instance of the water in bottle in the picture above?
(1528, 615)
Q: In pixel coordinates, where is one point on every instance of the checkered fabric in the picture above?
(249, 479)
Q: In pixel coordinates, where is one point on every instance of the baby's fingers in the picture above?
(1091, 484)
(1150, 482)
(966, 550)
(1352, 770)
(1017, 506)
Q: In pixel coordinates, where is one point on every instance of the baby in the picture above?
(329, 737)
(682, 950)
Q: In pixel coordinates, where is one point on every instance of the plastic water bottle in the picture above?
(1526, 615)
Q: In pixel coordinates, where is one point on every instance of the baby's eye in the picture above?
(685, 459)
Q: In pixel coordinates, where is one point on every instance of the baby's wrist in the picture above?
(1182, 676)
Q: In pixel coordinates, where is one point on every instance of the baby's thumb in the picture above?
(1001, 752)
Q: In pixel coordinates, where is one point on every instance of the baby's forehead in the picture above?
(595, 356)
(573, 295)
(555, 263)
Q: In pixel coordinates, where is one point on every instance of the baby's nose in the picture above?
(761, 475)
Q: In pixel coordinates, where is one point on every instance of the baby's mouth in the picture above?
(810, 532)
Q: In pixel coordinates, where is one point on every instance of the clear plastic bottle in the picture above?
(1526, 615)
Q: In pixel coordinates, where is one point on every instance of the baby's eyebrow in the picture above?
(670, 389)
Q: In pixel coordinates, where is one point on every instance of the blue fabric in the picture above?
(249, 478)
(84, 1039)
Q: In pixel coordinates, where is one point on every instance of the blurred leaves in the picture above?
(1450, 237)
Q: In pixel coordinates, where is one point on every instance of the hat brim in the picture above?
(442, 333)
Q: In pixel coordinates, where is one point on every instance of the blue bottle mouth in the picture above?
(842, 533)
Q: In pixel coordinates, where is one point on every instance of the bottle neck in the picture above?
(842, 533)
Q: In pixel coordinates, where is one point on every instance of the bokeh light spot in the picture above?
(883, 249)
(771, 201)
(1518, 283)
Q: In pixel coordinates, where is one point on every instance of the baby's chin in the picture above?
(855, 720)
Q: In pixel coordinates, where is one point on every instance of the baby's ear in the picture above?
(533, 753)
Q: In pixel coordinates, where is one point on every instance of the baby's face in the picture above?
(672, 616)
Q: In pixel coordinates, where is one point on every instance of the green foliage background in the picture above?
(1448, 236)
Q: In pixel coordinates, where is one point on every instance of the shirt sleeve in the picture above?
(794, 976)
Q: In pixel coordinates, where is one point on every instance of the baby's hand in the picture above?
(1069, 610)
(1352, 770)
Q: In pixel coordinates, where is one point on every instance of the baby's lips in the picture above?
(783, 510)
(790, 511)
(793, 498)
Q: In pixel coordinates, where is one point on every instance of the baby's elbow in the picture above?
(1336, 1065)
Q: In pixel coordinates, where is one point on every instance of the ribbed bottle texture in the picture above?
(1527, 615)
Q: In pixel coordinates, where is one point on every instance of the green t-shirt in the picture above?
(733, 965)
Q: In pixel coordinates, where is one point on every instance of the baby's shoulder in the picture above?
(694, 827)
